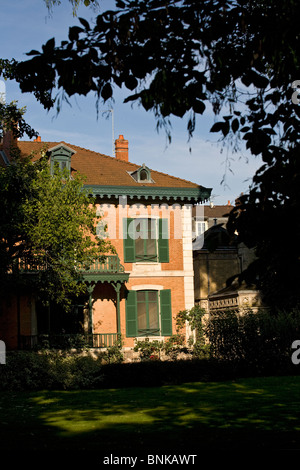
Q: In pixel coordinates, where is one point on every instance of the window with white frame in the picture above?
(201, 227)
(148, 313)
(146, 239)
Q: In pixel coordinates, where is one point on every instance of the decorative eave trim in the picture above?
(199, 194)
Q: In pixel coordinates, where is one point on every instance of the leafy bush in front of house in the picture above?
(113, 354)
(174, 346)
(261, 339)
(51, 370)
(154, 373)
(194, 318)
(73, 371)
(149, 350)
(24, 371)
(27, 370)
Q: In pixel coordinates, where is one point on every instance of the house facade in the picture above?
(138, 292)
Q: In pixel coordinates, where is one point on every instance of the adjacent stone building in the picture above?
(218, 261)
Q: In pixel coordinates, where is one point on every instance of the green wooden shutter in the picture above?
(128, 241)
(131, 314)
(163, 241)
(166, 312)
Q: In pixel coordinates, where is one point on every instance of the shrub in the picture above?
(260, 339)
(149, 350)
(194, 317)
(26, 370)
(113, 354)
(174, 346)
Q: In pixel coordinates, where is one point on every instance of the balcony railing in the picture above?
(106, 264)
(109, 264)
(69, 341)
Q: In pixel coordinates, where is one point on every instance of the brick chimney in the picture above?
(9, 141)
(121, 148)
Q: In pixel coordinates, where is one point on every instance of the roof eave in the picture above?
(197, 194)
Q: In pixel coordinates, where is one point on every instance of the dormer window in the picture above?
(60, 157)
(142, 175)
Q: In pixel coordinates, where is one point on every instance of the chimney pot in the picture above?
(38, 139)
(121, 148)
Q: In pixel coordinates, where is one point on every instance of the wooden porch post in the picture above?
(90, 289)
(117, 287)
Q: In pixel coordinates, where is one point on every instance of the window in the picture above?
(146, 239)
(61, 164)
(142, 175)
(148, 313)
(60, 157)
(200, 228)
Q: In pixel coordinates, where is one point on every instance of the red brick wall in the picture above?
(9, 320)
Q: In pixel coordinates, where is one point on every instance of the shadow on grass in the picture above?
(262, 413)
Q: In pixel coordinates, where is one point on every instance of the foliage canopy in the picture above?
(176, 57)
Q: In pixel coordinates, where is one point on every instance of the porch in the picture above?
(41, 328)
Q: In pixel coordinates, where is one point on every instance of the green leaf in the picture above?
(106, 91)
(131, 82)
(120, 4)
(235, 125)
(74, 32)
(217, 127)
(49, 46)
(199, 107)
(85, 23)
(33, 52)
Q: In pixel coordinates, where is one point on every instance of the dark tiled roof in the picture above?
(217, 211)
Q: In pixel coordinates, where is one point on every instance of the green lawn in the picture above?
(258, 413)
